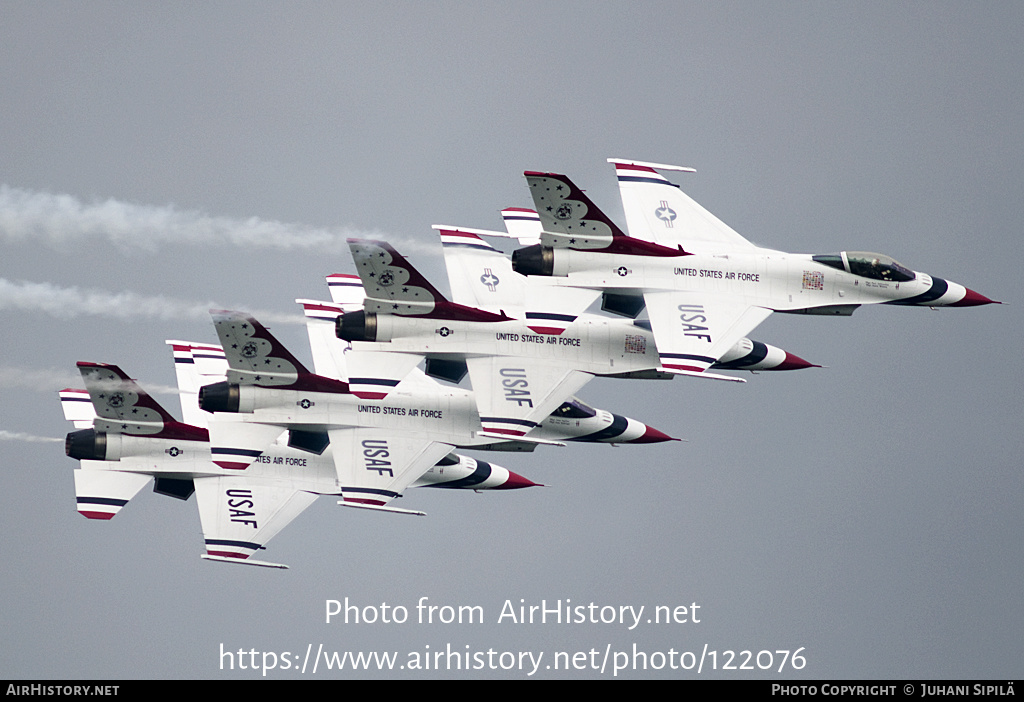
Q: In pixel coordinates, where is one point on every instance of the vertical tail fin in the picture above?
(571, 220)
(253, 354)
(121, 405)
(392, 284)
(658, 210)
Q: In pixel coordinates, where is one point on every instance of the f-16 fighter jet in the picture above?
(522, 370)
(125, 439)
(134, 440)
(380, 446)
(201, 364)
(483, 277)
(704, 285)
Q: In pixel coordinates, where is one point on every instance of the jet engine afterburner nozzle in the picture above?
(534, 260)
(86, 444)
(219, 397)
(356, 326)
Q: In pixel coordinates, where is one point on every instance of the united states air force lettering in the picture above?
(402, 411)
(280, 460)
(539, 339)
(720, 275)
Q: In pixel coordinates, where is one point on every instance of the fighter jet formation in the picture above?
(388, 408)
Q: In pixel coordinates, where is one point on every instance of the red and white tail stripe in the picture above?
(346, 288)
(324, 311)
(461, 237)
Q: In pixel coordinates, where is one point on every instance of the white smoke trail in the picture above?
(22, 436)
(43, 380)
(64, 219)
(54, 380)
(72, 302)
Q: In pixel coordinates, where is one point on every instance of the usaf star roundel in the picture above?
(665, 213)
(489, 279)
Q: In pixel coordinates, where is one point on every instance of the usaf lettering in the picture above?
(691, 314)
(235, 507)
(512, 379)
(374, 452)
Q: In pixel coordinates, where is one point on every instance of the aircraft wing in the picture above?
(376, 465)
(693, 330)
(240, 514)
(515, 394)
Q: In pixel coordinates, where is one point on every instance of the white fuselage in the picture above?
(591, 343)
(775, 280)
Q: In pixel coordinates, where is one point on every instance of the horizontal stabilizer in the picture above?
(346, 289)
(101, 494)
(523, 224)
(195, 365)
(329, 352)
(77, 407)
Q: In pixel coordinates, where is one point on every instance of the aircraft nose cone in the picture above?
(794, 362)
(973, 299)
(516, 481)
(652, 436)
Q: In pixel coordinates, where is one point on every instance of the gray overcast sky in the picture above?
(161, 158)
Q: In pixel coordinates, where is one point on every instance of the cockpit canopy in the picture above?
(574, 409)
(869, 265)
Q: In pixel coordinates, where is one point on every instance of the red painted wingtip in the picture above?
(973, 299)
(652, 436)
(794, 362)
